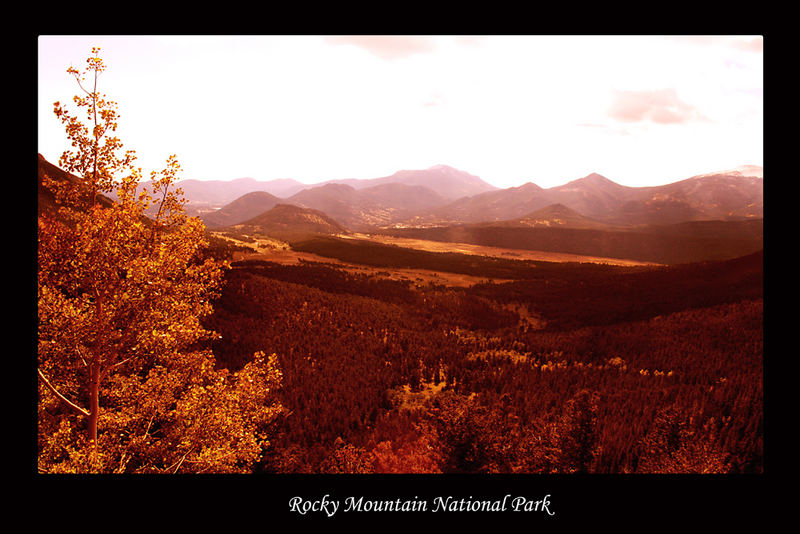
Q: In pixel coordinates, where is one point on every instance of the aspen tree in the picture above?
(125, 383)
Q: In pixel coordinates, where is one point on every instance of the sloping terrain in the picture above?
(243, 208)
(667, 244)
(288, 222)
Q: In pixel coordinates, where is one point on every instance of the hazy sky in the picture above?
(640, 110)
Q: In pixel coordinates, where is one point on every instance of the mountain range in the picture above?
(431, 198)
(714, 196)
(442, 203)
(447, 182)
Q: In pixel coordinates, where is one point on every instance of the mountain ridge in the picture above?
(594, 199)
(444, 180)
(705, 197)
(451, 195)
(712, 216)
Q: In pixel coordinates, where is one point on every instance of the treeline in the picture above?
(669, 244)
(382, 376)
(581, 297)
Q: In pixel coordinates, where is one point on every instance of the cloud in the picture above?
(434, 100)
(470, 40)
(755, 44)
(386, 46)
(660, 106)
(743, 43)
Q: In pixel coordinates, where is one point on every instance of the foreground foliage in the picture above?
(127, 382)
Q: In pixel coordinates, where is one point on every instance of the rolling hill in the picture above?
(243, 208)
(374, 206)
(289, 223)
(552, 216)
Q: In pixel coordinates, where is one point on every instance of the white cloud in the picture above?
(509, 108)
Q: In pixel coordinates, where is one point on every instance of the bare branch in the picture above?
(62, 397)
(81, 86)
(179, 462)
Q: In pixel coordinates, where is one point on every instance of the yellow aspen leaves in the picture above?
(119, 306)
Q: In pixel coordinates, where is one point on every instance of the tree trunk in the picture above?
(94, 401)
(94, 373)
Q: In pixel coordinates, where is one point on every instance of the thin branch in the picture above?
(147, 430)
(77, 78)
(122, 463)
(157, 221)
(180, 462)
(62, 397)
(161, 204)
(107, 369)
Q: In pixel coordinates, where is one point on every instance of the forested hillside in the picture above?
(685, 242)
(597, 369)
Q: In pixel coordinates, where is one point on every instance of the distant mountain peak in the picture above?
(751, 170)
(527, 186)
(597, 179)
(742, 170)
(594, 179)
(441, 169)
(446, 168)
(445, 180)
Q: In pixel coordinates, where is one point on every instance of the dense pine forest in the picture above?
(567, 368)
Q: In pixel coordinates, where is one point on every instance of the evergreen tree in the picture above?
(673, 446)
(578, 433)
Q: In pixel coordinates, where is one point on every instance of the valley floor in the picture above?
(516, 254)
(281, 253)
